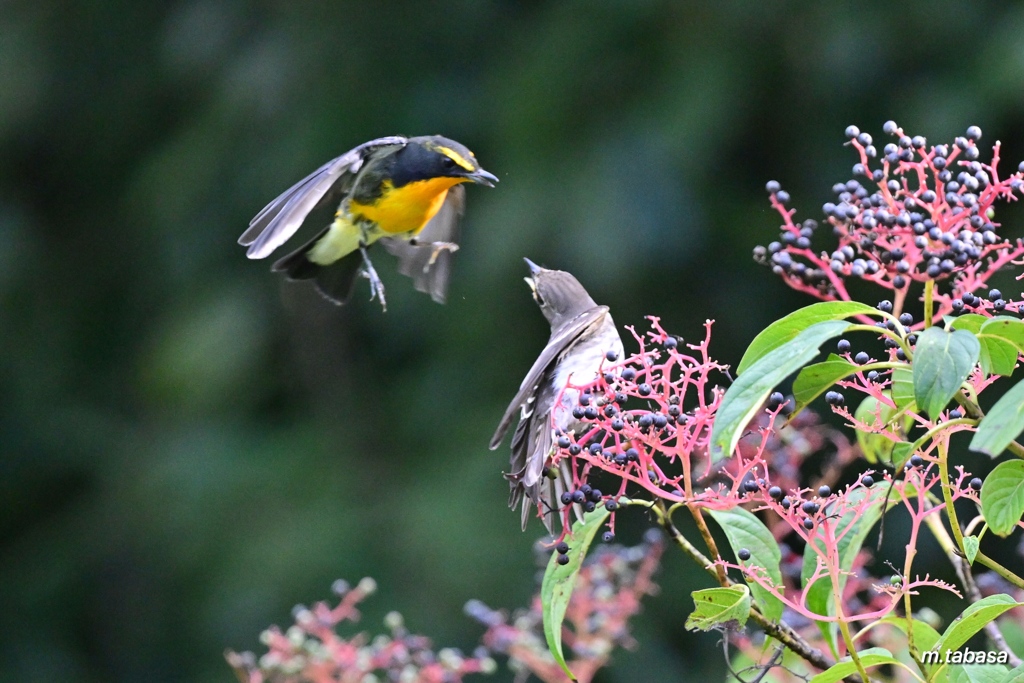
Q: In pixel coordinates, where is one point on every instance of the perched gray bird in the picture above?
(582, 333)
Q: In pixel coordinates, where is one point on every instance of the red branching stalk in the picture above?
(311, 651)
(651, 447)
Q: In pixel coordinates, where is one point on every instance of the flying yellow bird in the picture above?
(404, 192)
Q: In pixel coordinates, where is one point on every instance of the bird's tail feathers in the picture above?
(546, 493)
(335, 281)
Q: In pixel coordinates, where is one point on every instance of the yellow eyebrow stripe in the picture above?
(456, 157)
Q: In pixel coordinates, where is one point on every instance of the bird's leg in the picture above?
(376, 286)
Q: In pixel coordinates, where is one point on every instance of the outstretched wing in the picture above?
(560, 340)
(427, 265)
(282, 217)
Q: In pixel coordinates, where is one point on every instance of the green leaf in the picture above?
(715, 607)
(1001, 337)
(925, 636)
(560, 579)
(901, 452)
(971, 322)
(973, 619)
(1005, 327)
(977, 673)
(971, 545)
(813, 380)
(903, 388)
(819, 595)
(1015, 675)
(873, 656)
(876, 447)
(746, 395)
(786, 329)
(745, 530)
(942, 362)
(1002, 497)
(1003, 423)
(998, 356)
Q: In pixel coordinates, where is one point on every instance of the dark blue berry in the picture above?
(843, 346)
(562, 548)
(861, 358)
(976, 483)
(775, 492)
(563, 559)
(867, 480)
(824, 491)
(607, 537)
(743, 554)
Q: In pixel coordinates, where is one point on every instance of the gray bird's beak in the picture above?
(482, 177)
(534, 268)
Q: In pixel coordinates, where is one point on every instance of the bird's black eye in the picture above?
(447, 162)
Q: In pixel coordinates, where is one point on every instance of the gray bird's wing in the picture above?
(560, 340)
(281, 218)
(427, 265)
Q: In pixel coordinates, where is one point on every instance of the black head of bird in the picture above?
(582, 333)
(405, 192)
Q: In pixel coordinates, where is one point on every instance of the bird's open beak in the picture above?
(534, 269)
(482, 177)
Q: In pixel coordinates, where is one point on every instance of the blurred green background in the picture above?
(189, 446)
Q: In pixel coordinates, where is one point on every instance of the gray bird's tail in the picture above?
(546, 492)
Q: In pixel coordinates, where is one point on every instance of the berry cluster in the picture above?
(643, 420)
(911, 213)
(609, 587)
(312, 652)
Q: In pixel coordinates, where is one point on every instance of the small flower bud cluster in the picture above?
(911, 212)
(312, 652)
(609, 587)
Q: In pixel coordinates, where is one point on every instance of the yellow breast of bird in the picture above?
(408, 208)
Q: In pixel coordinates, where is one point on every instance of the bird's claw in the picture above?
(376, 285)
(437, 248)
